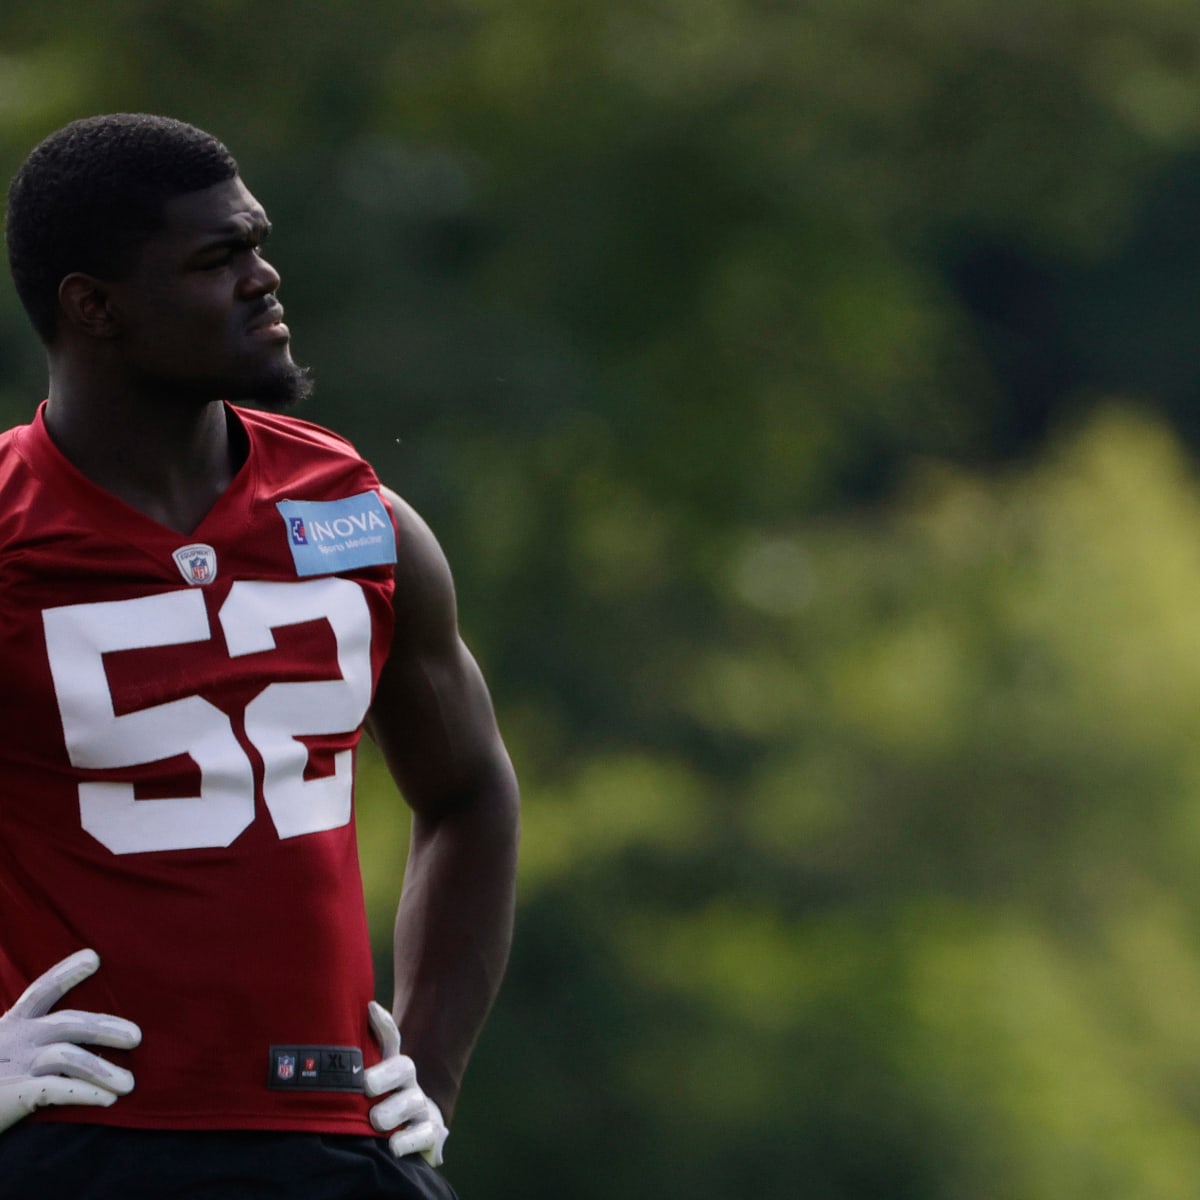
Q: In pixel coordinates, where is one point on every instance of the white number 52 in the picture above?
(79, 635)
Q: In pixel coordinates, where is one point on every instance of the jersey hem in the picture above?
(215, 1122)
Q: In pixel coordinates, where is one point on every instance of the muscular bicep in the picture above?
(432, 718)
(431, 715)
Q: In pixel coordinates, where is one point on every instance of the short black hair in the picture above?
(89, 194)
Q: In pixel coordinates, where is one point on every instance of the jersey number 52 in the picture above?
(79, 635)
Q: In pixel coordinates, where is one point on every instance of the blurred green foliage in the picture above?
(805, 394)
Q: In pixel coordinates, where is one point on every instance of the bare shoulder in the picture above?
(425, 603)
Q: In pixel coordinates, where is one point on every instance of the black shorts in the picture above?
(98, 1162)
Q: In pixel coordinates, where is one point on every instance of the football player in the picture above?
(202, 606)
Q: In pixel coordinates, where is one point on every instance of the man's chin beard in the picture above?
(277, 388)
(282, 388)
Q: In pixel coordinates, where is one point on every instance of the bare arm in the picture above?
(433, 719)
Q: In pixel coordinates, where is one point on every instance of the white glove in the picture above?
(413, 1120)
(41, 1061)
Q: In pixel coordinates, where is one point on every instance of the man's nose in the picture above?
(261, 280)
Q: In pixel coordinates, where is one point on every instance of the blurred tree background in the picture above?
(806, 394)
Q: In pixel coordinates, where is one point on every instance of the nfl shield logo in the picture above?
(285, 1066)
(197, 563)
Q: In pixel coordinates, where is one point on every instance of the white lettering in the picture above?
(344, 527)
(351, 544)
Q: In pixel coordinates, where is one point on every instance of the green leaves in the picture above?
(780, 380)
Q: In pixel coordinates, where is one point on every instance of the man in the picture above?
(200, 608)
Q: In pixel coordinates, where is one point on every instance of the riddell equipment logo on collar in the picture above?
(328, 536)
(197, 563)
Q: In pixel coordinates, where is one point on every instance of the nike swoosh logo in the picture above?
(355, 1070)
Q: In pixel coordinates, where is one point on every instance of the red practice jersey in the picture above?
(180, 719)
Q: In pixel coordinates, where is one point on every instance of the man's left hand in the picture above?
(412, 1121)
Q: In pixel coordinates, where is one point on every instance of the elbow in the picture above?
(489, 802)
(506, 799)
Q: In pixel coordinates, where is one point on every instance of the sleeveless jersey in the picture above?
(180, 719)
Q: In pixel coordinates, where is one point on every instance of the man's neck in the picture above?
(167, 458)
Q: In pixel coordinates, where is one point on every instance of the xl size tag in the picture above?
(328, 536)
(316, 1069)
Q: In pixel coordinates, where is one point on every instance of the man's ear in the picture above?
(87, 304)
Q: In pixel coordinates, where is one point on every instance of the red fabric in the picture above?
(216, 952)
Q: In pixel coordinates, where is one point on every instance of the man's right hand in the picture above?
(41, 1059)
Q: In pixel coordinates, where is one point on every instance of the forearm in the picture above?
(454, 930)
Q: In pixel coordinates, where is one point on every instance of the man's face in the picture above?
(199, 315)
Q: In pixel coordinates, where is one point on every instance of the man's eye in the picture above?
(216, 258)
(226, 255)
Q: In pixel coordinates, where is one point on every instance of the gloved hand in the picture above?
(413, 1120)
(41, 1061)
